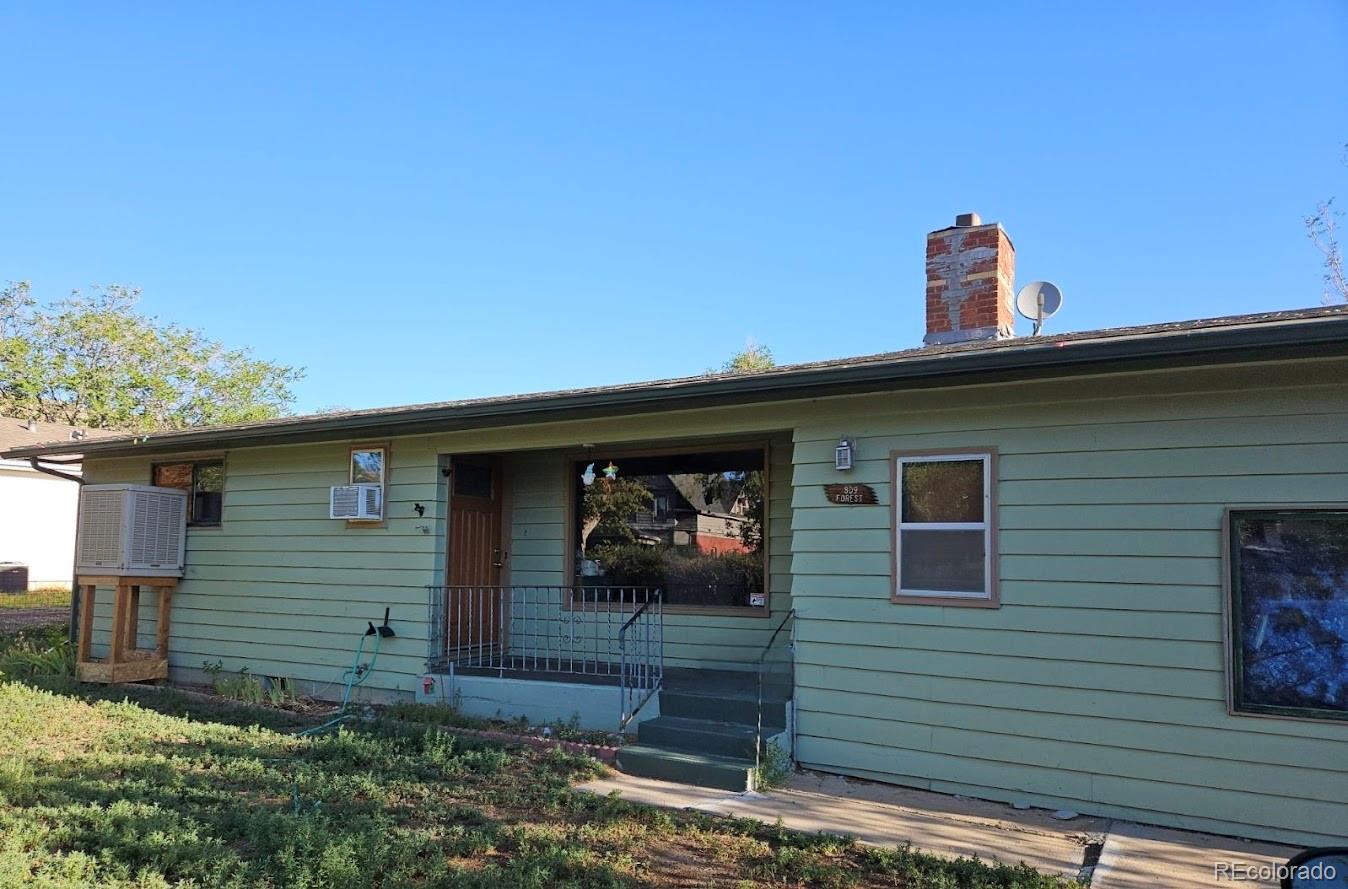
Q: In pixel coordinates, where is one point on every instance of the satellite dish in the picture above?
(1038, 301)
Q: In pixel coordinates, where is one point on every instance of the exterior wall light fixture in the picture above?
(842, 455)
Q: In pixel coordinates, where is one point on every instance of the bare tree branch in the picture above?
(1322, 227)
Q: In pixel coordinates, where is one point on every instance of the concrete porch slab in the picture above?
(1137, 856)
(885, 816)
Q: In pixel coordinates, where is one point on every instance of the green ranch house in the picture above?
(1106, 571)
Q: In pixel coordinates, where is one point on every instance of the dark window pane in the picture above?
(208, 493)
(1291, 586)
(472, 480)
(942, 561)
(173, 475)
(944, 491)
(688, 524)
(367, 467)
(207, 507)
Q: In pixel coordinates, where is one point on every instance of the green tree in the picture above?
(751, 359)
(93, 360)
(608, 504)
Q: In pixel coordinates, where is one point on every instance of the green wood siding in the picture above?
(1100, 682)
(283, 590)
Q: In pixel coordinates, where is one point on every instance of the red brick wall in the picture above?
(986, 281)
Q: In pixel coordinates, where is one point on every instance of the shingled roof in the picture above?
(1266, 336)
(16, 432)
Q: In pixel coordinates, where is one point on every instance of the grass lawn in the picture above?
(129, 786)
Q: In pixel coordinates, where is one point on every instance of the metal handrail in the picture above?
(529, 628)
(622, 632)
(762, 658)
(652, 677)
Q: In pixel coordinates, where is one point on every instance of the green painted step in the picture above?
(741, 709)
(701, 736)
(700, 769)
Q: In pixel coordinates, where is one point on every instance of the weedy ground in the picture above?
(39, 598)
(33, 609)
(134, 787)
(43, 597)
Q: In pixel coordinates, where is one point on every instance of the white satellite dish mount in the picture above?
(1038, 301)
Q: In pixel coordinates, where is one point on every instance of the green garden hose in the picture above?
(356, 675)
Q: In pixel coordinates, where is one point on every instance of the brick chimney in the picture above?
(970, 270)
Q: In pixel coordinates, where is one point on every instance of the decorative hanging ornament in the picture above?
(587, 477)
(610, 471)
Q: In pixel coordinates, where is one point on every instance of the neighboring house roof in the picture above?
(1267, 336)
(16, 432)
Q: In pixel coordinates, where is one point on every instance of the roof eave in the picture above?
(1037, 357)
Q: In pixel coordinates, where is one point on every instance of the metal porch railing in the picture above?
(776, 670)
(597, 634)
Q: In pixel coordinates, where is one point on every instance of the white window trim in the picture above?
(988, 596)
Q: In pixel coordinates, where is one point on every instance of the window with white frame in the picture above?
(943, 530)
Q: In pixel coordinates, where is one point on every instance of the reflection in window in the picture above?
(367, 466)
(690, 525)
(1289, 587)
(943, 538)
(204, 482)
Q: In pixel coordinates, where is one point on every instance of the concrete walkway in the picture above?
(1137, 856)
(1133, 856)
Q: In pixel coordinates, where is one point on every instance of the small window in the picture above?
(367, 466)
(473, 480)
(1289, 612)
(204, 482)
(943, 546)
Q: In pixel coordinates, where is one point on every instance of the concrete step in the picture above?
(740, 709)
(701, 769)
(701, 736)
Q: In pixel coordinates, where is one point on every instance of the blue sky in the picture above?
(424, 202)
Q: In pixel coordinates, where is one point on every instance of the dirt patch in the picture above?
(672, 864)
(32, 618)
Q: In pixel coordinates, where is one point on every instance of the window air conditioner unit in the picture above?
(131, 530)
(357, 503)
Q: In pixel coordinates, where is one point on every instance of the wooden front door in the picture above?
(474, 606)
